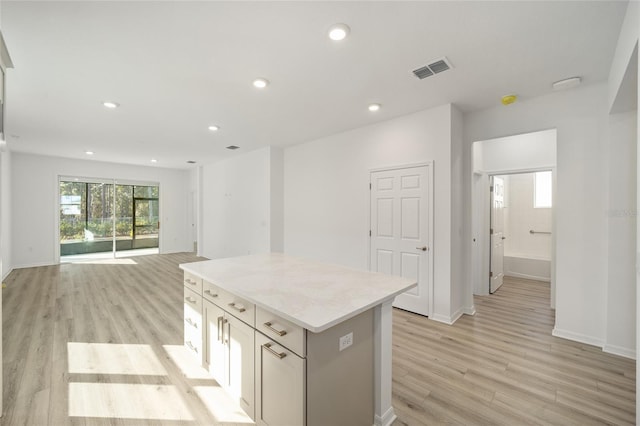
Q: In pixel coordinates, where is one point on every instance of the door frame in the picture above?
(81, 178)
(481, 213)
(430, 210)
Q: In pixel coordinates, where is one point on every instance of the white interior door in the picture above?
(400, 230)
(496, 274)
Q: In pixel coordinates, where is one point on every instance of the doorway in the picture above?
(101, 218)
(520, 232)
(510, 155)
(401, 230)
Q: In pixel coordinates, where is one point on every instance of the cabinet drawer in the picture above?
(192, 282)
(192, 303)
(282, 331)
(193, 323)
(193, 346)
(211, 292)
(237, 306)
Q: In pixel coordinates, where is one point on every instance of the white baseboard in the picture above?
(525, 276)
(577, 337)
(387, 418)
(450, 319)
(7, 274)
(441, 318)
(446, 319)
(33, 265)
(619, 350)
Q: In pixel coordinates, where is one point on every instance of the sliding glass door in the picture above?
(106, 216)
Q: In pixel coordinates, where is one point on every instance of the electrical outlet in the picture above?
(346, 341)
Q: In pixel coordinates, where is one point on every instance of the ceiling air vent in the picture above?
(423, 72)
(433, 68)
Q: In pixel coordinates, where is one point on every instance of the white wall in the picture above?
(461, 299)
(6, 260)
(327, 193)
(622, 217)
(34, 183)
(240, 197)
(523, 217)
(627, 42)
(535, 150)
(580, 117)
(276, 174)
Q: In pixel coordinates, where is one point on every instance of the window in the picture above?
(542, 190)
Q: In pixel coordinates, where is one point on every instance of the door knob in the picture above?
(424, 248)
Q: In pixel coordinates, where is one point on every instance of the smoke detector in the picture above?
(435, 67)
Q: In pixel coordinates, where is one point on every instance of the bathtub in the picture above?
(529, 267)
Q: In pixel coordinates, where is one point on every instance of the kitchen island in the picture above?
(296, 342)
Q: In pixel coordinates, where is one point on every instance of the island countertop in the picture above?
(311, 294)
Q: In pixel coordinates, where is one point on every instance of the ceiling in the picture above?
(176, 68)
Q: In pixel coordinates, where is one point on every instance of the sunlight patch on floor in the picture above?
(112, 358)
(127, 401)
(186, 362)
(221, 406)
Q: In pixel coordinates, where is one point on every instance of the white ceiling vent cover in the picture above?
(434, 67)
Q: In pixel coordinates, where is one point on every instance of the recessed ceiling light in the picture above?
(110, 104)
(374, 107)
(567, 83)
(339, 32)
(153, 160)
(89, 152)
(214, 128)
(260, 83)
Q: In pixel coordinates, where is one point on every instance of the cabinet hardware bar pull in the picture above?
(531, 231)
(190, 282)
(210, 294)
(233, 305)
(190, 322)
(188, 343)
(278, 332)
(190, 300)
(219, 329)
(267, 346)
(423, 248)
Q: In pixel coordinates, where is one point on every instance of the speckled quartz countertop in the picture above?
(311, 294)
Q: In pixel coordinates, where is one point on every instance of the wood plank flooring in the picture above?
(84, 341)
(503, 367)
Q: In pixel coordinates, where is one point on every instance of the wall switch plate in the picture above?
(346, 341)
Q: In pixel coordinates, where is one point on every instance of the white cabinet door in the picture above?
(240, 363)
(215, 354)
(280, 384)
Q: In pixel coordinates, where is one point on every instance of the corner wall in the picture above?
(327, 194)
(620, 337)
(580, 117)
(34, 187)
(6, 262)
(242, 202)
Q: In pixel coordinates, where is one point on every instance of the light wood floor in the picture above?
(83, 341)
(503, 367)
